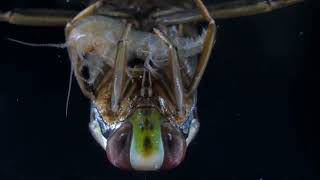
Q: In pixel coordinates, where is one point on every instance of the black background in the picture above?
(256, 105)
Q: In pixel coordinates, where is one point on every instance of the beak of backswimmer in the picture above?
(146, 143)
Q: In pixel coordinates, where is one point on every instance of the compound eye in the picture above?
(118, 147)
(174, 146)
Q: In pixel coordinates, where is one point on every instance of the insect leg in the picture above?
(37, 17)
(120, 69)
(175, 72)
(166, 12)
(230, 9)
(241, 8)
(206, 51)
(85, 13)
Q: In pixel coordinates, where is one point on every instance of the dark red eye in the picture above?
(174, 146)
(118, 148)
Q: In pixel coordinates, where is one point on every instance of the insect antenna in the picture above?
(69, 90)
(61, 45)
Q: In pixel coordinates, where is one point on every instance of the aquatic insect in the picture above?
(140, 63)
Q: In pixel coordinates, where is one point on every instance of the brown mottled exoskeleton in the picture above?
(140, 63)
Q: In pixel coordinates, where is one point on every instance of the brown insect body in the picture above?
(123, 66)
(93, 49)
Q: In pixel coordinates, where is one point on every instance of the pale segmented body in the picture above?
(96, 38)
